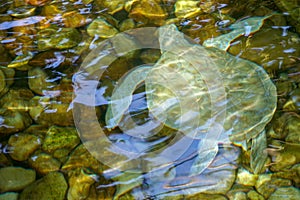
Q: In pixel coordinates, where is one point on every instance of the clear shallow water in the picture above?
(43, 47)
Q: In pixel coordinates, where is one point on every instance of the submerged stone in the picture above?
(9, 196)
(51, 186)
(23, 145)
(15, 178)
(273, 53)
(111, 6)
(81, 158)
(57, 38)
(39, 81)
(253, 195)
(187, 9)
(46, 111)
(101, 28)
(146, 11)
(58, 138)
(244, 177)
(293, 103)
(80, 183)
(290, 193)
(6, 79)
(44, 163)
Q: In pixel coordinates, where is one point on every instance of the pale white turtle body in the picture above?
(206, 93)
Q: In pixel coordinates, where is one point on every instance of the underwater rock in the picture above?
(17, 99)
(4, 160)
(238, 190)
(58, 138)
(101, 28)
(81, 158)
(9, 196)
(273, 53)
(73, 19)
(48, 111)
(290, 193)
(284, 85)
(37, 2)
(287, 155)
(292, 7)
(51, 186)
(244, 177)
(266, 184)
(13, 121)
(80, 183)
(150, 55)
(253, 195)
(282, 124)
(238, 196)
(13, 112)
(187, 9)
(22, 11)
(293, 103)
(57, 38)
(126, 24)
(2, 81)
(38, 81)
(15, 178)
(43, 163)
(5, 59)
(201, 28)
(146, 11)
(21, 62)
(111, 6)
(23, 145)
(55, 60)
(6, 79)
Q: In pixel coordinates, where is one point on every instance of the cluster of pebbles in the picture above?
(42, 44)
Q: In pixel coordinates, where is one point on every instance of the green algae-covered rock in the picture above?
(80, 183)
(290, 193)
(21, 62)
(38, 81)
(266, 51)
(101, 28)
(58, 138)
(6, 78)
(43, 163)
(52, 186)
(244, 177)
(15, 178)
(253, 195)
(54, 38)
(266, 184)
(81, 158)
(48, 111)
(13, 122)
(9, 196)
(23, 145)
(146, 11)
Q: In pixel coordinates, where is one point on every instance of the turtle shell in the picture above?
(194, 86)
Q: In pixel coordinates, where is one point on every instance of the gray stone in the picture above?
(15, 178)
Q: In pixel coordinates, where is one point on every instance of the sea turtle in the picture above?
(204, 92)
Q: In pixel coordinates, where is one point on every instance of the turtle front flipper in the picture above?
(258, 156)
(207, 149)
(204, 159)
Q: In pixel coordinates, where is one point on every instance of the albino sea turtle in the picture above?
(204, 92)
